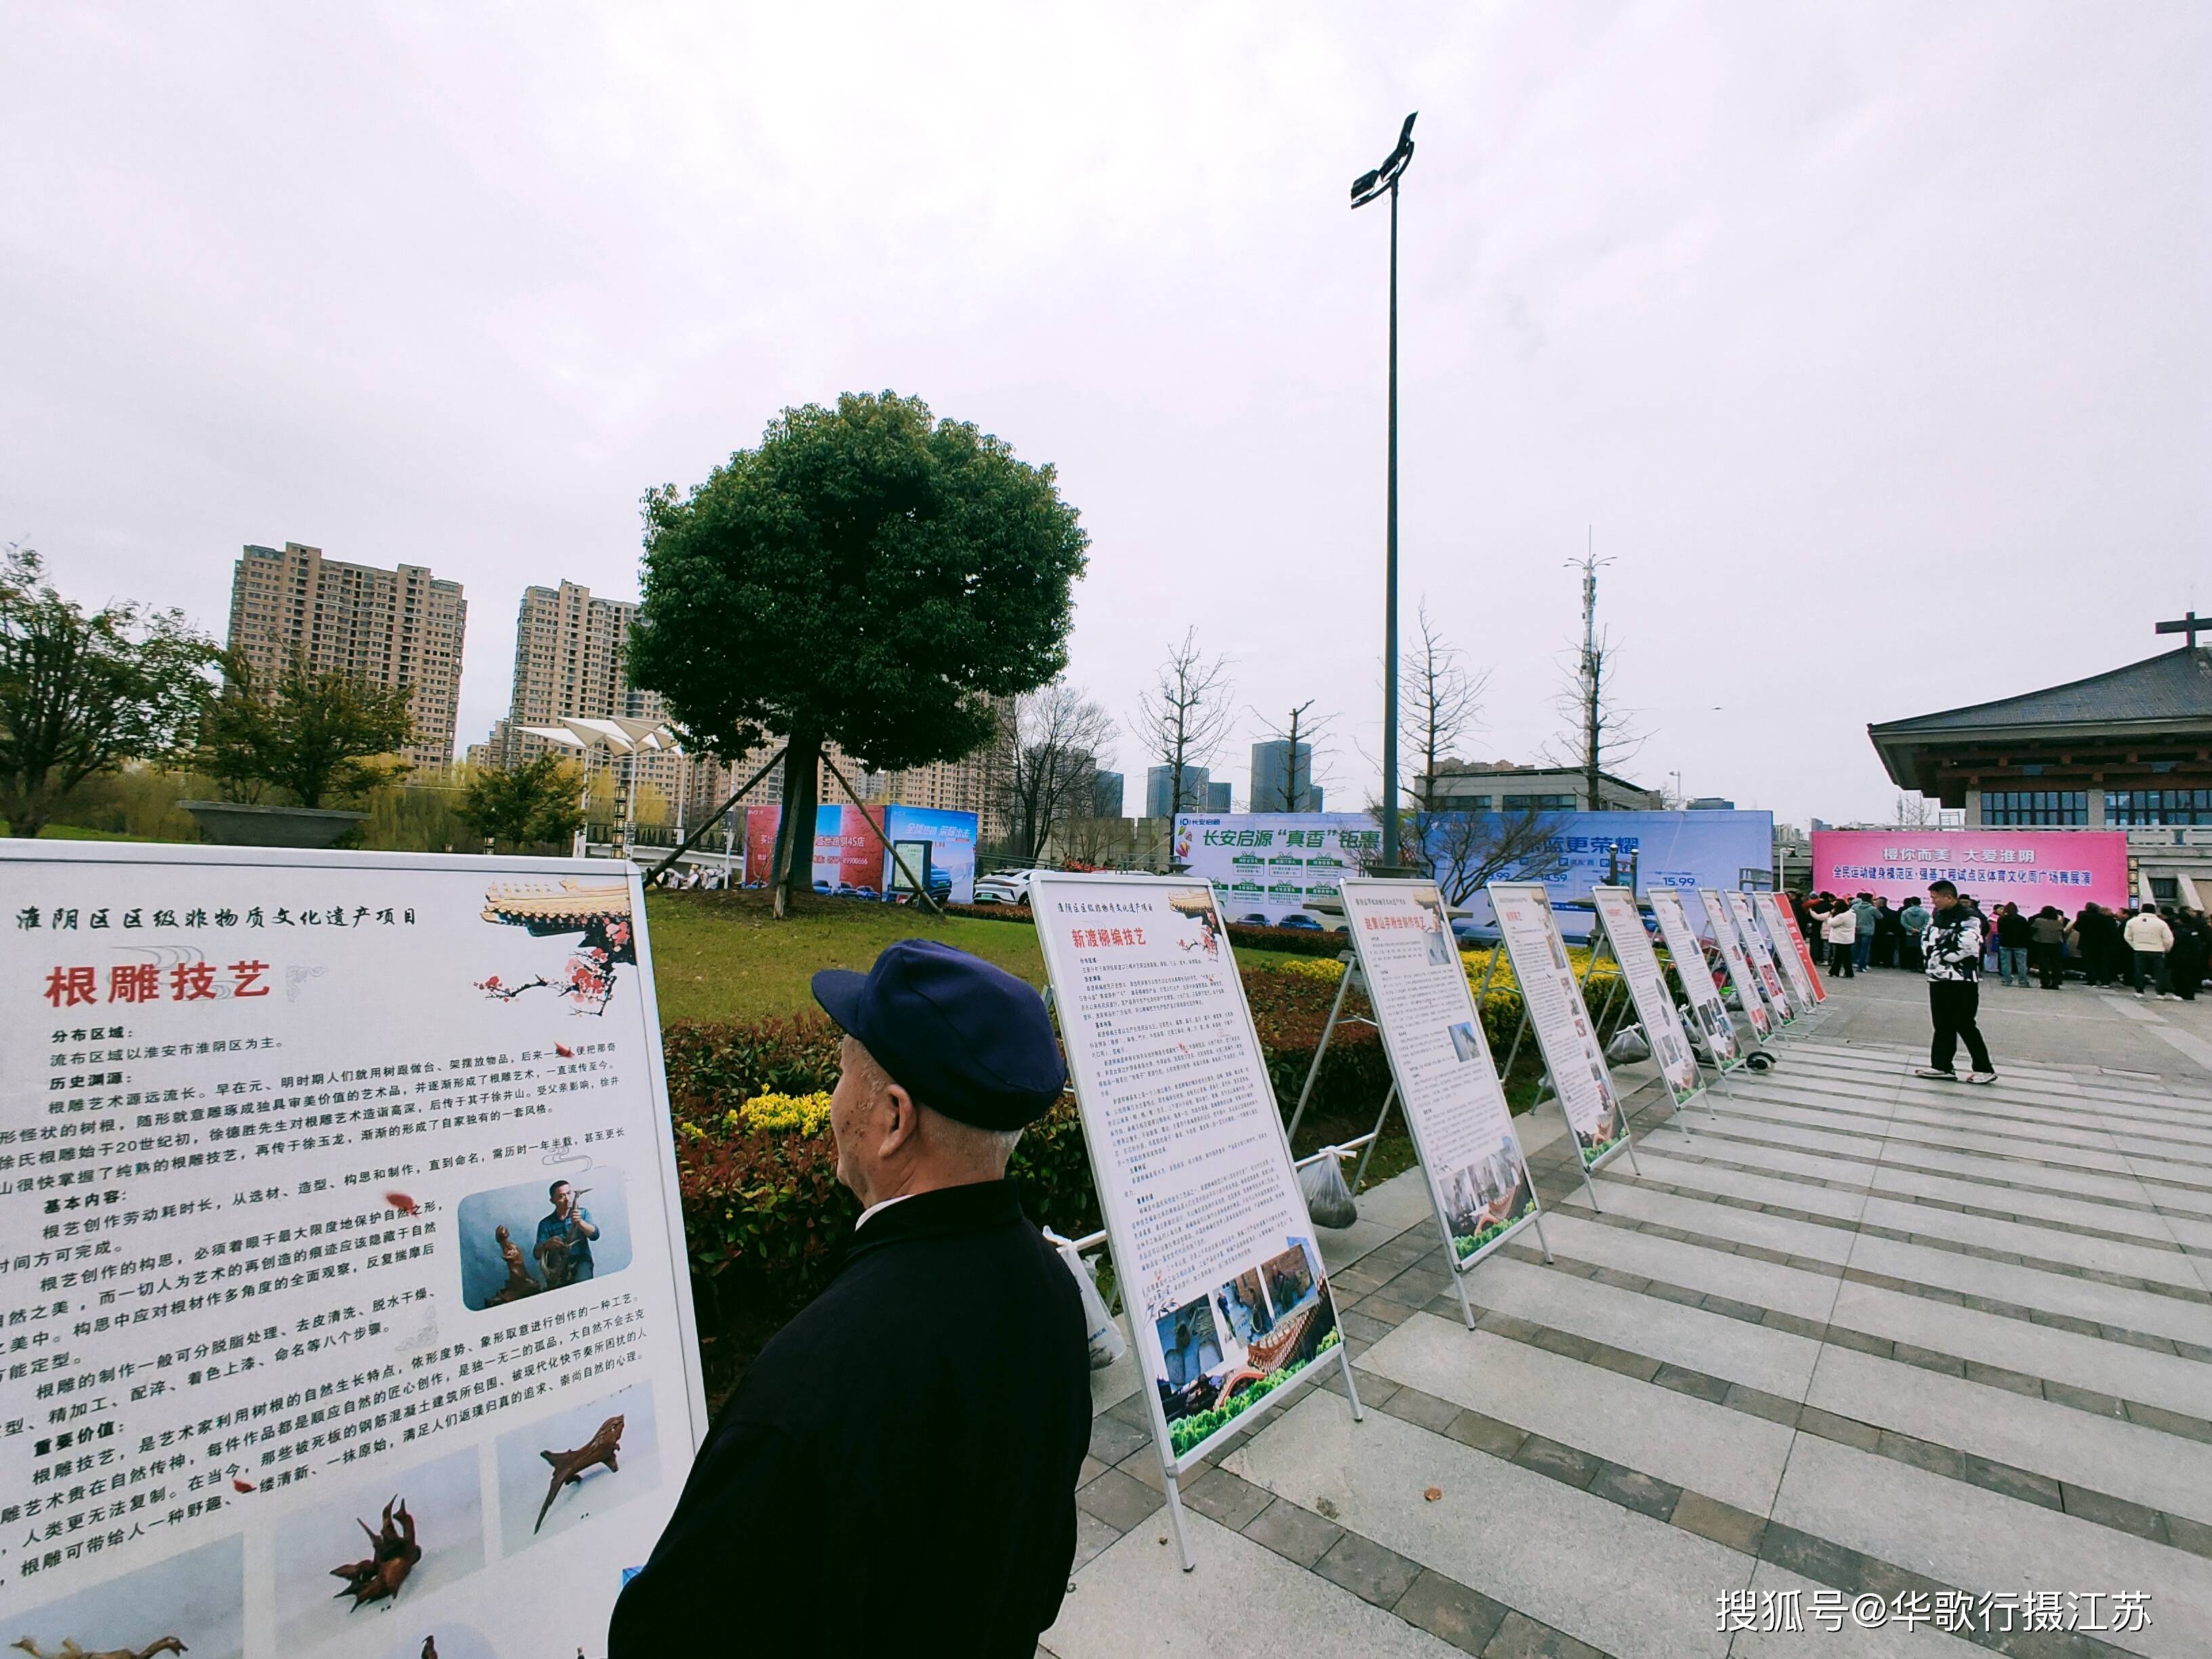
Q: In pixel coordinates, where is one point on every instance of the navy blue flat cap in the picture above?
(961, 1036)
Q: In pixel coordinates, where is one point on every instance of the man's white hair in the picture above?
(988, 1148)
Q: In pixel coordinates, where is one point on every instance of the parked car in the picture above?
(1003, 887)
(1256, 919)
(1299, 919)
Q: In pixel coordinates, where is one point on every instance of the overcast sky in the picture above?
(1870, 341)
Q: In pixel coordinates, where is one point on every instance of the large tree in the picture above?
(1440, 705)
(869, 576)
(83, 693)
(1052, 768)
(536, 801)
(315, 734)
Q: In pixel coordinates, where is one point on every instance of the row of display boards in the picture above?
(1226, 1295)
(347, 1241)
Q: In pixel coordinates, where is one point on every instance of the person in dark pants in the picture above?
(1951, 943)
(2100, 942)
(2046, 947)
(897, 1472)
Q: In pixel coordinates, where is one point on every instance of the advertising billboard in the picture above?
(2027, 867)
(1266, 865)
(851, 857)
(1687, 850)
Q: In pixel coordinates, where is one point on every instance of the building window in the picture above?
(2149, 806)
(2064, 809)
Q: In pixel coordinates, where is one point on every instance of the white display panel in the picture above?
(1447, 1083)
(1762, 959)
(1647, 988)
(1564, 1030)
(1782, 941)
(1690, 967)
(1229, 1306)
(267, 1114)
(1721, 927)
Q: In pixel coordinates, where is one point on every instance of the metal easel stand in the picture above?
(1336, 1015)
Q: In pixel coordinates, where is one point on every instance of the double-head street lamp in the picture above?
(1368, 187)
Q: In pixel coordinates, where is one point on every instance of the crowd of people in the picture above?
(2156, 950)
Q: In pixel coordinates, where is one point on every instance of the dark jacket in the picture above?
(2015, 931)
(897, 1472)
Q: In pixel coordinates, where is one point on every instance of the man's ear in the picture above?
(902, 1123)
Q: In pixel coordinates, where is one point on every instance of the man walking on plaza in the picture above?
(1952, 946)
(896, 1474)
(2148, 938)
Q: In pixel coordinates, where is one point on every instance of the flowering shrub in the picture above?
(808, 1114)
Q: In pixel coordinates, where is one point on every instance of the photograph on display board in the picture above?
(193, 1603)
(387, 1543)
(556, 1474)
(1225, 1350)
(1483, 1199)
(540, 1236)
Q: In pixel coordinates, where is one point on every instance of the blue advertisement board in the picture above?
(1583, 850)
(951, 838)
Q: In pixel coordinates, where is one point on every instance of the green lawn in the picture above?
(725, 956)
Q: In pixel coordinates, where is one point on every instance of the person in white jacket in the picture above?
(2149, 938)
(1841, 930)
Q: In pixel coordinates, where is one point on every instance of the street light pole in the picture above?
(1365, 189)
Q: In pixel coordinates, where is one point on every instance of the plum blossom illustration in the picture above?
(600, 914)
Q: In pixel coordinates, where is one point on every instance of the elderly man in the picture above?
(897, 1472)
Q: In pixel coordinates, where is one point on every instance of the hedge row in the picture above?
(765, 1219)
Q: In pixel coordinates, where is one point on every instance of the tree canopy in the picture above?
(870, 576)
(536, 801)
(314, 735)
(82, 693)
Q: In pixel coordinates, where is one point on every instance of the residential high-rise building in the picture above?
(1159, 783)
(1274, 787)
(388, 628)
(569, 649)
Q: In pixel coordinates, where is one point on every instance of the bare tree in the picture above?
(1468, 850)
(1304, 729)
(1604, 734)
(1050, 764)
(1440, 704)
(1182, 719)
(1912, 812)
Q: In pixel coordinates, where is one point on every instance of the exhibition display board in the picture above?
(1565, 1033)
(344, 1252)
(1789, 950)
(1228, 1304)
(1718, 923)
(1453, 1100)
(1762, 959)
(1697, 976)
(1647, 988)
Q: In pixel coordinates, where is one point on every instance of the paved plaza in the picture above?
(1847, 1338)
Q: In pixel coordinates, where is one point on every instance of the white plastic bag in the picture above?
(1628, 1045)
(1100, 1330)
(1328, 1201)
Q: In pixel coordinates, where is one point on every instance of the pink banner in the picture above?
(2027, 867)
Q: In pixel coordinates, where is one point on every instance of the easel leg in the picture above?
(1360, 1174)
(1351, 1382)
(1459, 1284)
(1328, 1030)
(1175, 1523)
(1537, 1215)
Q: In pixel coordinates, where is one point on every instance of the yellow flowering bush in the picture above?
(808, 1114)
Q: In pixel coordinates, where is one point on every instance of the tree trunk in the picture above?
(794, 834)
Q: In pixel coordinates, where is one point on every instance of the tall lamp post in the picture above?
(1366, 188)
